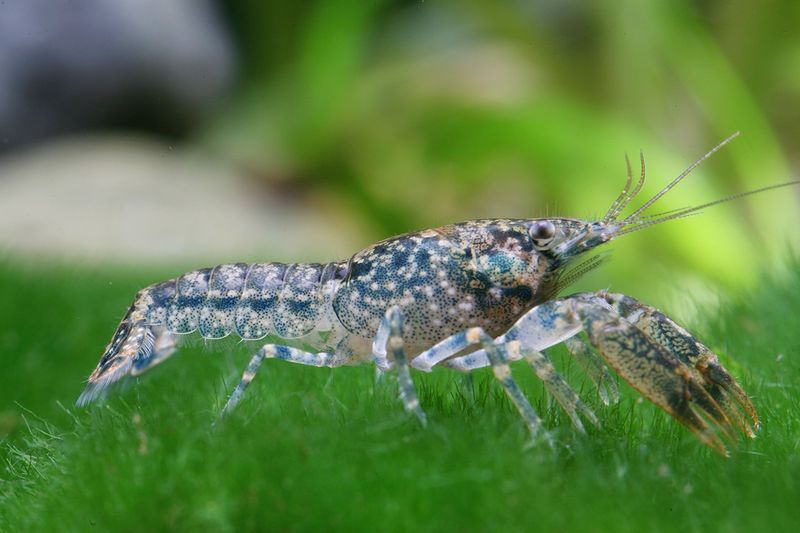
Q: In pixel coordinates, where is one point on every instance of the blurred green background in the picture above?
(370, 118)
(141, 138)
(418, 114)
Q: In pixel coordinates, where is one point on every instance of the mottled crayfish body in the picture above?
(476, 294)
(253, 314)
(217, 313)
(299, 304)
(483, 273)
(445, 279)
(183, 312)
(252, 301)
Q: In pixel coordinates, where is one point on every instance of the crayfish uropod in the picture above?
(476, 294)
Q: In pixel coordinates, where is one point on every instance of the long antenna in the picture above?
(677, 180)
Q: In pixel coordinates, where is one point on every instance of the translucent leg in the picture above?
(544, 369)
(556, 386)
(491, 354)
(446, 349)
(594, 367)
(502, 372)
(392, 323)
(275, 351)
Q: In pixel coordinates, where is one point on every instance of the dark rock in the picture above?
(152, 64)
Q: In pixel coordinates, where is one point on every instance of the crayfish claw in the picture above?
(720, 385)
(729, 394)
(659, 375)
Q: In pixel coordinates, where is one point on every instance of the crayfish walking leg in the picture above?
(651, 352)
(276, 351)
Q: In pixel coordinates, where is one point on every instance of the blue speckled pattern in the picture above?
(253, 313)
(482, 273)
(155, 299)
(217, 312)
(479, 273)
(466, 296)
(183, 312)
(299, 301)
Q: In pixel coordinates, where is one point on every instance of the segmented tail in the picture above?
(251, 300)
(134, 348)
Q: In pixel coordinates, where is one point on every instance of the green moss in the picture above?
(314, 449)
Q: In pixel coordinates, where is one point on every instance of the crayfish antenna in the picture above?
(681, 176)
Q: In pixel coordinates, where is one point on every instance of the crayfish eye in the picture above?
(542, 232)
